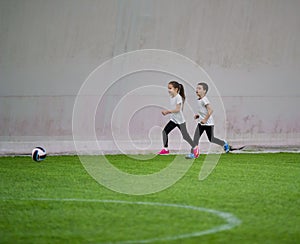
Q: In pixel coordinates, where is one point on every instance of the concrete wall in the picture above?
(250, 49)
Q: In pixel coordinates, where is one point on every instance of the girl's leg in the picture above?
(168, 128)
(198, 132)
(186, 135)
(210, 134)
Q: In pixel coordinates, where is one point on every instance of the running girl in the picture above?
(177, 98)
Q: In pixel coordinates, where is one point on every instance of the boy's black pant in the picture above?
(182, 127)
(209, 129)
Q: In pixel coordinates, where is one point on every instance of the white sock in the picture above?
(166, 149)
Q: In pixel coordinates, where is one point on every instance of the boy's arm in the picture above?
(209, 113)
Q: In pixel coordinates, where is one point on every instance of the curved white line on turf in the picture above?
(231, 220)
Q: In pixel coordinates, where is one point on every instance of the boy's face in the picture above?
(172, 91)
(200, 91)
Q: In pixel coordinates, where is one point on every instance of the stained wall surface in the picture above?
(249, 49)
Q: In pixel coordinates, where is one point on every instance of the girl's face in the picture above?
(200, 91)
(172, 91)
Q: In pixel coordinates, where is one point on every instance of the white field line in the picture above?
(231, 220)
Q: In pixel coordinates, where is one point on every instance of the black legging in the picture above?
(182, 127)
(209, 129)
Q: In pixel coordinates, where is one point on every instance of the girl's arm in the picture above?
(209, 113)
(176, 110)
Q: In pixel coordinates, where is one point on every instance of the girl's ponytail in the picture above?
(182, 94)
(180, 88)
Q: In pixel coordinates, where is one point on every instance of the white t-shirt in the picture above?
(202, 110)
(176, 117)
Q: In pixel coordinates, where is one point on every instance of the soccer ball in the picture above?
(38, 154)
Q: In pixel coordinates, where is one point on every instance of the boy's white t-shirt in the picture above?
(202, 110)
(176, 117)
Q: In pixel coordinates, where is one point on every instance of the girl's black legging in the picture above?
(209, 132)
(182, 127)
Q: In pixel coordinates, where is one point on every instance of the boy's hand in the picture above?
(165, 112)
(196, 116)
(204, 121)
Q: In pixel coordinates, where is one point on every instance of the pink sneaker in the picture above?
(164, 152)
(196, 152)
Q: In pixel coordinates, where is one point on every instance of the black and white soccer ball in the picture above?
(38, 154)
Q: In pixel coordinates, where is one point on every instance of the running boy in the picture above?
(206, 122)
(177, 98)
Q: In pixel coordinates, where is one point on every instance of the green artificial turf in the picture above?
(57, 201)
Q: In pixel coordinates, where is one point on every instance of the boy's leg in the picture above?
(210, 134)
(168, 128)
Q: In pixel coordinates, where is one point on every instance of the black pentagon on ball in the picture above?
(35, 155)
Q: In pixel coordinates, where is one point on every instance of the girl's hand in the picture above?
(196, 116)
(165, 112)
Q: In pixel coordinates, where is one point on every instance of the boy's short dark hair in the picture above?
(204, 85)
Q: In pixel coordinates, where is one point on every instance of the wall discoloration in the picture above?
(249, 48)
